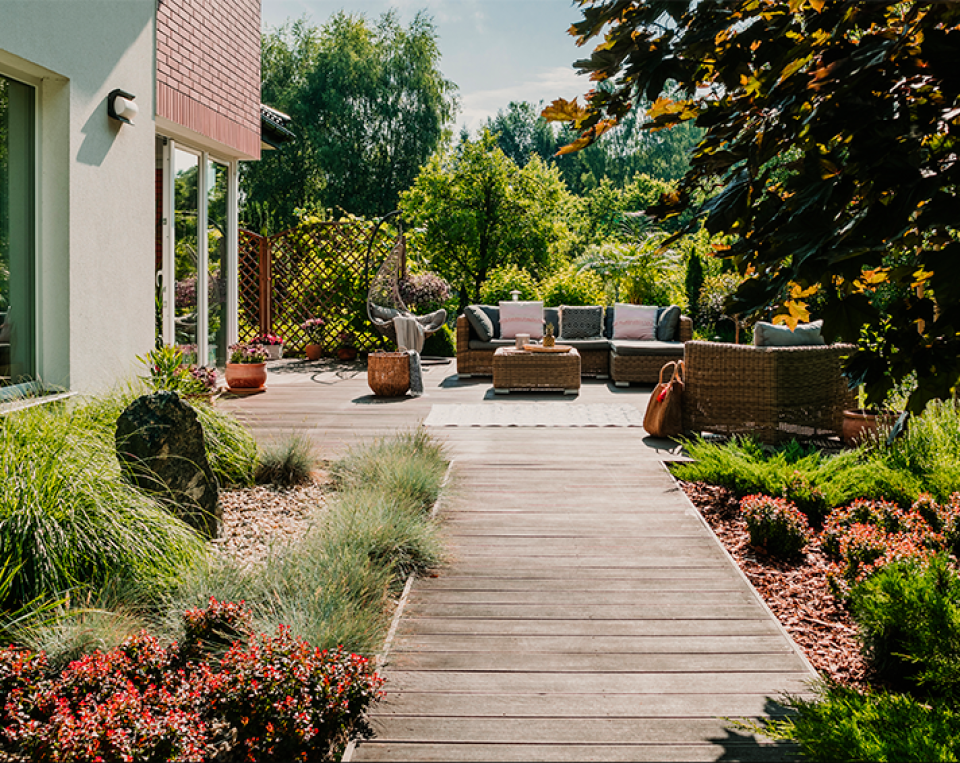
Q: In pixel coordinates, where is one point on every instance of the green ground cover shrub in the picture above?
(775, 525)
(845, 725)
(908, 614)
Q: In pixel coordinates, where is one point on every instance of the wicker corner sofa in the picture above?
(771, 393)
(624, 360)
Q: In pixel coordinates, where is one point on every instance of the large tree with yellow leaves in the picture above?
(831, 157)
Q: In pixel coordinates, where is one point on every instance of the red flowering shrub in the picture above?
(275, 699)
(775, 525)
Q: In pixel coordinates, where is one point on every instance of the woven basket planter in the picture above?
(388, 373)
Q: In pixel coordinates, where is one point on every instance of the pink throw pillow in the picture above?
(521, 318)
(634, 321)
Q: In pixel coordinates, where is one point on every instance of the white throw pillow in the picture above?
(521, 318)
(634, 321)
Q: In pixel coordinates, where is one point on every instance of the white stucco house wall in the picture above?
(90, 255)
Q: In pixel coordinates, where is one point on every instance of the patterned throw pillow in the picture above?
(581, 322)
(521, 318)
(635, 322)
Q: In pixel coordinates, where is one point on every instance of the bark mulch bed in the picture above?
(796, 592)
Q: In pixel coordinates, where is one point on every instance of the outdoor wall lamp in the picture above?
(120, 106)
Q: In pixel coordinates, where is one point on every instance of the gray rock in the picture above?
(160, 446)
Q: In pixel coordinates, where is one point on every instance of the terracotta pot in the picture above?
(347, 353)
(314, 351)
(860, 425)
(246, 375)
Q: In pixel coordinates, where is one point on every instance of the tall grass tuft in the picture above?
(286, 462)
(334, 585)
(68, 522)
(410, 464)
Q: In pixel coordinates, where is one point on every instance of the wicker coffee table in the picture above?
(522, 370)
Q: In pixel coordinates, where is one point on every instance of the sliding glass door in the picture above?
(17, 239)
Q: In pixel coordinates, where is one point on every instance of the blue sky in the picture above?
(496, 51)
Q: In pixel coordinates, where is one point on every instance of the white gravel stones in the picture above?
(264, 518)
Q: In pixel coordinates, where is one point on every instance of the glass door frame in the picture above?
(230, 266)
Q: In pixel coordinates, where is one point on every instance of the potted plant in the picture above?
(346, 345)
(313, 328)
(860, 424)
(247, 367)
(272, 345)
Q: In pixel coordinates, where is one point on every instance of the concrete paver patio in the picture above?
(587, 612)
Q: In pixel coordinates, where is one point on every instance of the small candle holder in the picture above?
(521, 340)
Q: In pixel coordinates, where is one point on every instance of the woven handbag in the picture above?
(664, 416)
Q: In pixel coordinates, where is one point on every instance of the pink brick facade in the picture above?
(208, 69)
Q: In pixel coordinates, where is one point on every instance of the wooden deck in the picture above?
(587, 612)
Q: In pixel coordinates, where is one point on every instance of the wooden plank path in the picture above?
(586, 613)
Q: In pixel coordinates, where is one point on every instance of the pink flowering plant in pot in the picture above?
(247, 352)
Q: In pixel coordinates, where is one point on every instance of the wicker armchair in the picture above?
(772, 393)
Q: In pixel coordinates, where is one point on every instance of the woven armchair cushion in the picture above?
(480, 322)
(581, 321)
(668, 323)
(521, 318)
(635, 322)
(769, 335)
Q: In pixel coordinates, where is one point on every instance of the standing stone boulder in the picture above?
(160, 447)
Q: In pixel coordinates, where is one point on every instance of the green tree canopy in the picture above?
(476, 210)
(830, 155)
(369, 106)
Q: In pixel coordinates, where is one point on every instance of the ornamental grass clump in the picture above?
(775, 525)
(287, 462)
(68, 522)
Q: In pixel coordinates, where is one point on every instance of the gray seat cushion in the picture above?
(593, 343)
(476, 344)
(646, 347)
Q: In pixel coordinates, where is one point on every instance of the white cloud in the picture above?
(546, 85)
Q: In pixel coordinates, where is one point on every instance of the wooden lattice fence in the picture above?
(314, 270)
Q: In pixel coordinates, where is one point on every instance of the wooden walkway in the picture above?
(587, 612)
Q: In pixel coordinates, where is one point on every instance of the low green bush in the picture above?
(501, 281)
(775, 525)
(930, 449)
(908, 615)
(569, 286)
(441, 344)
(846, 725)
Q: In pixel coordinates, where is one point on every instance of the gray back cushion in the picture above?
(769, 335)
(581, 322)
(668, 322)
(608, 322)
(479, 320)
(552, 315)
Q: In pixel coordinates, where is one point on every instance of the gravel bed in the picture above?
(260, 519)
(797, 593)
